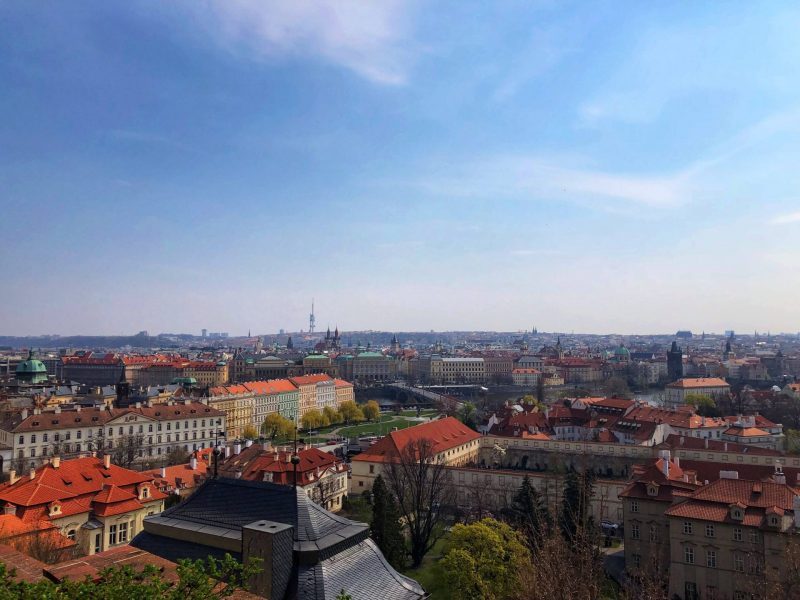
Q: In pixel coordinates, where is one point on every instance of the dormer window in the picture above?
(773, 521)
(54, 509)
(652, 490)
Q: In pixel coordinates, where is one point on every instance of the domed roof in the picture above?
(185, 380)
(31, 366)
(622, 351)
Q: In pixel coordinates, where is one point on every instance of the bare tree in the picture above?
(418, 478)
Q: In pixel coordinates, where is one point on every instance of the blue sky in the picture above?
(599, 167)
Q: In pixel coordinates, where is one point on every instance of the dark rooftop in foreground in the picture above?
(312, 554)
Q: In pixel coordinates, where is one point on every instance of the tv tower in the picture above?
(311, 319)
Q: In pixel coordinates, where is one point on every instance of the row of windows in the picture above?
(120, 431)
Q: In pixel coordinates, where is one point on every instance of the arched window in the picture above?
(71, 534)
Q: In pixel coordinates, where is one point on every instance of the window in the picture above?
(98, 542)
(372, 468)
(653, 533)
(22, 439)
(121, 431)
(635, 506)
(123, 532)
(33, 438)
(79, 434)
(71, 534)
(177, 425)
(753, 537)
(690, 591)
(711, 592)
(150, 428)
(738, 562)
(688, 555)
(635, 531)
(33, 452)
(737, 534)
(711, 559)
(637, 560)
(687, 527)
(44, 437)
(57, 437)
(709, 530)
(112, 535)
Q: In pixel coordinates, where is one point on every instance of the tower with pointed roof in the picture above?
(674, 362)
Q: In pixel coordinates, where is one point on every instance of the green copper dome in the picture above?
(31, 370)
(185, 381)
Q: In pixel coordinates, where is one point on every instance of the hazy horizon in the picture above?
(578, 166)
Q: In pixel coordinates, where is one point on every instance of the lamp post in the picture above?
(217, 452)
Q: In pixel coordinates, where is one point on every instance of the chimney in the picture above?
(705, 443)
(33, 473)
(796, 510)
(12, 477)
(227, 451)
(57, 410)
(9, 509)
(272, 543)
(288, 458)
(193, 463)
(163, 472)
(665, 455)
(107, 461)
(682, 440)
(238, 473)
(237, 447)
(138, 405)
(248, 443)
(56, 461)
(677, 461)
(24, 413)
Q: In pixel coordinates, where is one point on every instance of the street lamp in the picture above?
(217, 452)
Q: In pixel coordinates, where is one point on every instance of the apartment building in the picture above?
(156, 429)
(454, 444)
(728, 538)
(713, 387)
(455, 370)
(91, 503)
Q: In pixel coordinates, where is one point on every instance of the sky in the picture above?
(599, 167)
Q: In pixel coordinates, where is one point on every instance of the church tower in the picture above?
(674, 362)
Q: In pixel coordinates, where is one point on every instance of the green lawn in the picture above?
(429, 574)
(382, 428)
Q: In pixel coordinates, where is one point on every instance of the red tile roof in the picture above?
(255, 461)
(698, 382)
(445, 433)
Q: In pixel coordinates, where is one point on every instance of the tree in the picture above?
(177, 456)
(312, 419)
(575, 515)
(528, 512)
(332, 415)
(564, 571)
(126, 450)
(419, 480)
(705, 406)
(249, 432)
(371, 410)
(209, 579)
(540, 395)
(484, 560)
(343, 596)
(351, 412)
(468, 416)
(277, 426)
(385, 527)
(617, 386)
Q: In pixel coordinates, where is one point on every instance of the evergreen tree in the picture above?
(575, 515)
(529, 513)
(385, 528)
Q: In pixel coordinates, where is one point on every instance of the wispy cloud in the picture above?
(526, 177)
(369, 38)
(788, 218)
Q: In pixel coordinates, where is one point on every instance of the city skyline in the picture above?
(450, 167)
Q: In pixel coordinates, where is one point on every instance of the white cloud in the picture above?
(788, 218)
(540, 178)
(369, 38)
